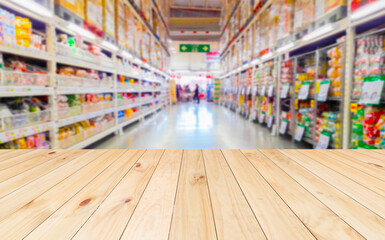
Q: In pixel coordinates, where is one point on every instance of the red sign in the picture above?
(213, 56)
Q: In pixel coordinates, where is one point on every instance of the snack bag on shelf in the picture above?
(109, 17)
(75, 6)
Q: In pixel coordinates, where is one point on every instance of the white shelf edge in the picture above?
(83, 64)
(18, 91)
(26, 131)
(93, 139)
(121, 108)
(79, 118)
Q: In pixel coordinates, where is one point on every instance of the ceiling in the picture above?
(195, 20)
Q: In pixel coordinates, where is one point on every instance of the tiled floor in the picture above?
(192, 126)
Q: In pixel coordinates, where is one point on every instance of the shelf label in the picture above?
(323, 91)
(263, 90)
(299, 131)
(254, 116)
(304, 91)
(270, 92)
(324, 140)
(283, 126)
(248, 90)
(270, 122)
(255, 91)
(285, 90)
(372, 91)
(262, 117)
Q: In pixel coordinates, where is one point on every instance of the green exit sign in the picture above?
(199, 48)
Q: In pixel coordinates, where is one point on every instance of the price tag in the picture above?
(323, 142)
(254, 116)
(262, 117)
(263, 91)
(300, 130)
(323, 91)
(248, 90)
(255, 91)
(285, 90)
(372, 91)
(270, 122)
(283, 126)
(304, 91)
(270, 92)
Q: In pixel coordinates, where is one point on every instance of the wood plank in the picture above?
(372, 183)
(110, 219)
(193, 218)
(372, 153)
(31, 175)
(320, 220)
(356, 191)
(360, 165)
(31, 215)
(67, 220)
(152, 217)
(29, 159)
(372, 160)
(12, 153)
(233, 216)
(364, 221)
(26, 194)
(264, 201)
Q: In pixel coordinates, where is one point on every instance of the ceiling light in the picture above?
(368, 9)
(127, 54)
(34, 7)
(286, 47)
(81, 31)
(319, 32)
(110, 46)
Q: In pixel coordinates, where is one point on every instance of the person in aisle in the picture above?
(178, 92)
(196, 93)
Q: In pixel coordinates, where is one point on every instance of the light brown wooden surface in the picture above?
(192, 194)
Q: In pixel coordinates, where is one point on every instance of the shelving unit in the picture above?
(243, 49)
(151, 78)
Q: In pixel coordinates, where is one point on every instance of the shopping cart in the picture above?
(186, 97)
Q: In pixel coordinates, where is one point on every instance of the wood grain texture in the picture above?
(232, 214)
(38, 209)
(65, 222)
(364, 221)
(31, 175)
(14, 165)
(152, 217)
(26, 194)
(320, 220)
(372, 183)
(361, 194)
(110, 219)
(192, 194)
(193, 218)
(7, 154)
(265, 202)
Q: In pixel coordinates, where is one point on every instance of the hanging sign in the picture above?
(285, 90)
(199, 48)
(372, 90)
(270, 92)
(213, 56)
(304, 91)
(283, 126)
(324, 140)
(323, 91)
(300, 130)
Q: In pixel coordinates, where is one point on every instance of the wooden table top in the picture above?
(192, 194)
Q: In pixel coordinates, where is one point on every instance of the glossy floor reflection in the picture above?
(193, 126)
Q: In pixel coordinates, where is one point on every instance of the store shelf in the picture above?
(122, 125)
(94, 139)
(17, 8)
(17, 91)
(7, 136)
(82, 90)
(121, 108)
(26, 52)
(83, 64)
(83, 117)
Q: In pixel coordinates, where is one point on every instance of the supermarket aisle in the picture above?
(190, 126)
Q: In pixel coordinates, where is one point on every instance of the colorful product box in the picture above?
(109, 17)
(120, 30)
(75, 6)
(93, 11)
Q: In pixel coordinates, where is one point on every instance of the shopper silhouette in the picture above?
(196, 93)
